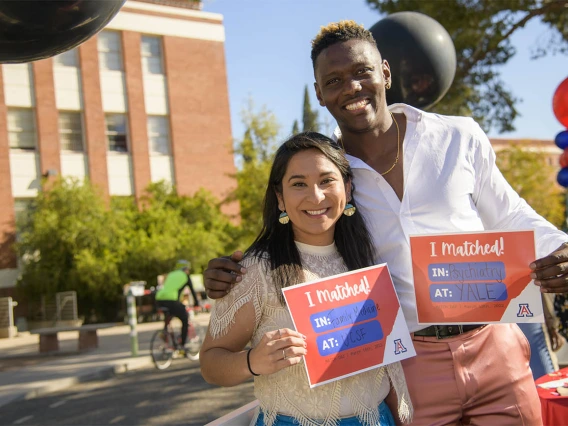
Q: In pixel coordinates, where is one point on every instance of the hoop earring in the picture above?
(283, 219)
(349, 209)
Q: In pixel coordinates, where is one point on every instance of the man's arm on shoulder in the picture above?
(222, 273)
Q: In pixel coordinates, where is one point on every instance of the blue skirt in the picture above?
(385, 419)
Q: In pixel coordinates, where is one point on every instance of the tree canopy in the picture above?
(295, 127)
(254, 152)
(532, 177)
(481, 31)
(309, 115)
(72, 239)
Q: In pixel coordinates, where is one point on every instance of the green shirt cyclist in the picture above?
(168, 296)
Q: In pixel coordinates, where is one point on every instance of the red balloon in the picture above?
(563, 160)
(560, 103)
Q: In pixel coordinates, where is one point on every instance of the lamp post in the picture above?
(131, 291)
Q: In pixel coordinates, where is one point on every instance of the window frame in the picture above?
(105, 52)
(61, 64)
(10, 131)
(71, 131)
(167, 135)
(147, 57)
(114, 133)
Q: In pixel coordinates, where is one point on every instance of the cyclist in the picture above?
(168, 296)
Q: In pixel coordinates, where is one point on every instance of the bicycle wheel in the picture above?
(162, 349)
(194, 341)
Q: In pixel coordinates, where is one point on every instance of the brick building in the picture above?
(546, 147)
(144, 100)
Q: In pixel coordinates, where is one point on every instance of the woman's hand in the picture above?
(277, 349)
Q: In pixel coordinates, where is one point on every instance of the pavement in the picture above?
(26, 374)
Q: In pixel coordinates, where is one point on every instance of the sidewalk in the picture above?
(26, 374)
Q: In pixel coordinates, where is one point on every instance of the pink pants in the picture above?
(481, 377)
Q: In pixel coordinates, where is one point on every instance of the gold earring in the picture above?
(349, 209)
(284, 219)
(388, 85)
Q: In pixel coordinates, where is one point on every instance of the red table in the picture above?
(554, 406)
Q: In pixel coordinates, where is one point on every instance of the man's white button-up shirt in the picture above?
(451, 184)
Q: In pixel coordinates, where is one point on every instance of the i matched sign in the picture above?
(352, 323)
(475, 278)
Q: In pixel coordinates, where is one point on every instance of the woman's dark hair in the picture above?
(276, 241)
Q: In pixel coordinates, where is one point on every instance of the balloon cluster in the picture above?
(560, 108)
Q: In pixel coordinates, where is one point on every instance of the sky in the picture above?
(267, 50)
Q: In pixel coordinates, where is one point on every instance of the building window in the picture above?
(159, 134)
(71, 131)
(151, 51)
(22, 128)
(110, 52)
(22, 208)
(117, 135)
(67, 59)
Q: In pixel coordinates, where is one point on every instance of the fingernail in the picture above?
(537, 282)
(533, 275)
(304, 337)
(244, 270)
(532, 266)
(239, 278)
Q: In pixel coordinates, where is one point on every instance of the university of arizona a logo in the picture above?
(398, 347)
(524, 310)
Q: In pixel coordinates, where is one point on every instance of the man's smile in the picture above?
(357, 105)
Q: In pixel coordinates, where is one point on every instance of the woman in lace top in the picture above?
(309, 232)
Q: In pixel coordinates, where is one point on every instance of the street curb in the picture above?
(101, 373)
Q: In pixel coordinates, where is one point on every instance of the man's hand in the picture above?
(222, 273)
(551, 272)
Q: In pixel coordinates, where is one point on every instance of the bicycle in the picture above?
(166, 343)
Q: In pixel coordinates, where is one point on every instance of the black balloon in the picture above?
(36, 29)
(421, 55)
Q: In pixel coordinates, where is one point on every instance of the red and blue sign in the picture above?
(352, 322)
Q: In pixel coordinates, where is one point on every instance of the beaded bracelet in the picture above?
(248, 363)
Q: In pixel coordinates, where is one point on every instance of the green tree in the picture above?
(481, 31)
(71, 239)
(309, 115)
(171, 227)
(533, 178)
(255, 152)
(295, 128)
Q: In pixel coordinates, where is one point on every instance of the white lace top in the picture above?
(288, 391)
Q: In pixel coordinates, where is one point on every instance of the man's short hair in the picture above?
(338, 32)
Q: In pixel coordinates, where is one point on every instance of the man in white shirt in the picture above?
(421, 173)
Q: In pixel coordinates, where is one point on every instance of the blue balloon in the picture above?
(562, 177)
(561, 140)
